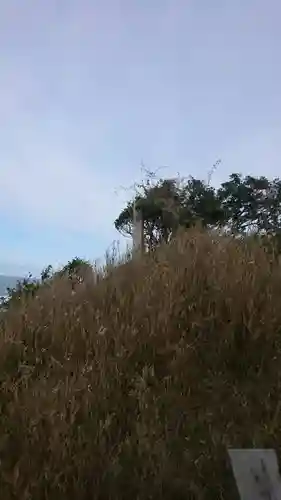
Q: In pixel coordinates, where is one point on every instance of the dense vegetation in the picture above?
(240, 206)
(131, 381)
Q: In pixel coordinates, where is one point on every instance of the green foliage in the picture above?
(251, 204)
(76, 270)
(75, 267)
(242, 205)
(168, 204)
(24, 288)
(200, 203)
(47, 273)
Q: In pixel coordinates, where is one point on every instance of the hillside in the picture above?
(7, 282)
(134, 387)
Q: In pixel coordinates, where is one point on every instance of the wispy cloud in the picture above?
(52, 188)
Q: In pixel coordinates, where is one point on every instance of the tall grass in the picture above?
(134, 386)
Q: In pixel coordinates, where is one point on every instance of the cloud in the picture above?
(52, 188)
(52, 161)
(45, 181)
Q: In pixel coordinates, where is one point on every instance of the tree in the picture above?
(158, 203)
(240, 206)
(76, 270)
(200, 203)
(168, 204)
(251, 204)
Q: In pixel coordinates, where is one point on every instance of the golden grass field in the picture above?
(135, 386)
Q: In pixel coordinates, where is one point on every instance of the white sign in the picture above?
(256, 473)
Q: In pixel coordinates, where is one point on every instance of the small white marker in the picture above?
(256, 473)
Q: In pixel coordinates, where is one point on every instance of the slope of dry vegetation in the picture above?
(134, 387)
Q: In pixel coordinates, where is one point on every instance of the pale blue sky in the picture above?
(90, 88)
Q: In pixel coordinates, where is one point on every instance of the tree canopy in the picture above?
(241, 205)
(168, 204)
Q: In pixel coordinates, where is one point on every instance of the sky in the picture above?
(90, 90)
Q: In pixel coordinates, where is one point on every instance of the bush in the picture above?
(134, 386)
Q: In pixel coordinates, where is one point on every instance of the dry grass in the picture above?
(134, 387)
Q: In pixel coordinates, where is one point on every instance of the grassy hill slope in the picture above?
(134, 387)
